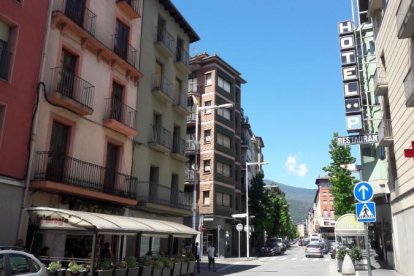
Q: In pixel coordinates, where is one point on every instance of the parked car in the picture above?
(324, 246)
(271, 248)
(15, 261)
(313, 249)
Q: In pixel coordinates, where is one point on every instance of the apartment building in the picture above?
(394, 30)
(159, 154)
(214, 82)
(22, 33)
(324, 212)
(86, 115)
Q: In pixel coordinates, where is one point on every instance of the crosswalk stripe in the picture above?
(294, 259)
(304, 259)
(315, 260)
(282, 259)
(274, 258)
(327, 260)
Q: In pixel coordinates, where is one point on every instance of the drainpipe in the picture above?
(23, 215)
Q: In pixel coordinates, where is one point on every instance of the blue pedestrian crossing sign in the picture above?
(363, 191)
(365, 212)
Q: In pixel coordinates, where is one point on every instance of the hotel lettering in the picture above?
(349, 67)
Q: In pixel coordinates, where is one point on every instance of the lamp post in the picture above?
(247, 203)
(198, 109)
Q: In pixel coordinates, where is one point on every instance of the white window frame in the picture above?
(207, 165)
(225, 85)
(207, 136)
(208, 110)
(206, 199)
(209, 78)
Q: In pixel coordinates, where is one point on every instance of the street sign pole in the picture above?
(367, 248)
(239, 244)
(239, 228)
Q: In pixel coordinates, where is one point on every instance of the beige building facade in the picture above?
(394, 30)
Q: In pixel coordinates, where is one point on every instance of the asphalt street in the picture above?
(292, 263)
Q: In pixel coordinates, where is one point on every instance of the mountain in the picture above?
(299, 199)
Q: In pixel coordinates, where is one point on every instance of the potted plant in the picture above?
(132, 265)
(184, 266)
(146, 263)
(340, 255)
(158, 266)
(121, 269)
(55, 268)
(105, 269)
(168, 266)
(191, 263)
(356, 255)
(75, 269)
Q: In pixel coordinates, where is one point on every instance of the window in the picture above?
(225, 85)
(324, 202)
(206, 197)
(21, 264)
(5, 54)
(224, 140)
(324, 193)
(224, 169)
(207, 167)
(223, 199)
(208, 110)
(224, 112)
(2, 264)
(121, 39)
(209, 79)
(117, 101)
(2, 118)
(192, 85)
(331, 203)
(159, 71)
(178, 88)
(207, 136)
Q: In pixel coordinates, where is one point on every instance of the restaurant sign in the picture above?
(357, 139)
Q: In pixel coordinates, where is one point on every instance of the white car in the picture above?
(17, 262)
(313, 249)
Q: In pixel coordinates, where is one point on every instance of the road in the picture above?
(292, 263)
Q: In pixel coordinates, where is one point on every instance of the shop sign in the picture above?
(352, 105)
(358, 139)
(354, 123)
(53, 222)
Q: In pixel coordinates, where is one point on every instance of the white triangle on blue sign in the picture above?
(365, 213)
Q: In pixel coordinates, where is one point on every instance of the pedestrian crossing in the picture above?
(294, 258)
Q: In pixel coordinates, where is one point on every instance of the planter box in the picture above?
(145, 271)
(184, 268)
(120, 272)
(157, 271)
(339, 265)
(176, 269)
(60, 272)
(108, 272)
(191, 267)
(133, 271)
(166, 271)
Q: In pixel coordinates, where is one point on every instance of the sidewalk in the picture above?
(377, 267)
(221, 265)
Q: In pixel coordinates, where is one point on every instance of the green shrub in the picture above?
(106, 264)
(356, 254)
(341, 252)
(54, 266)
(168, 263)
(146, 261)
(131, 262)
(75, 268)
(189, 257)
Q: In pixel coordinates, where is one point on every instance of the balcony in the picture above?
(125, 51)
(182, 60)
(189, 176)
(195, 89)
(191, 119)
(160, 139)
(130, 7)
(66, 175)
(68, 16)
(380, 82)
(178, 149)
(155, 197)
(180, 104)
(373, 6)
(224, 210)
(5, 58)
(405, 19)
(119, 117)
(70, 91)
(385, 136)
(409, 88)
(164, 42)
(162, 88)
(190, 146)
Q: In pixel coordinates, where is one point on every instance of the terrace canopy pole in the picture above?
(93, 257)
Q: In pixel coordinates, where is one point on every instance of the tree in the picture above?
(341, 178)
(258, 200)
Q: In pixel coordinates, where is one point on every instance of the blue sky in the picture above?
(288, 53)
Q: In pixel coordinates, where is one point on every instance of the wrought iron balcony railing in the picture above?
(195, 88)
(161, 136)
(119, 111)
(163, 84)
(133, 4)
(181, 100)
(57, 167)
(191, 117)
(71, 86)
(380, 81)
(190, 145)
(167, 39)
(79, 14)
(385, 135)
(178, 145)
(5, 57)
(125, 50)
(189, 175)
(182, 55)
(166, 196)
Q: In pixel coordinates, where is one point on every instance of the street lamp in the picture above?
(247, 202)
(198, 109)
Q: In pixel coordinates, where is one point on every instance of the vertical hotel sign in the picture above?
(349, 67)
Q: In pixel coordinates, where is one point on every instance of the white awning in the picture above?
(62, 219)
(347, 225)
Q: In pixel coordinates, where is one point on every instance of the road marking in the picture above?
(282, 259)
(327, 260)
(294, 259)
(315, 260)
(304, 259)
(274, 258)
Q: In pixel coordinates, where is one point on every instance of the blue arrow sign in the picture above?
(363, 192)
(365, 212)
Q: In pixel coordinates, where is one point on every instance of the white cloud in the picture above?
(294, 167)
